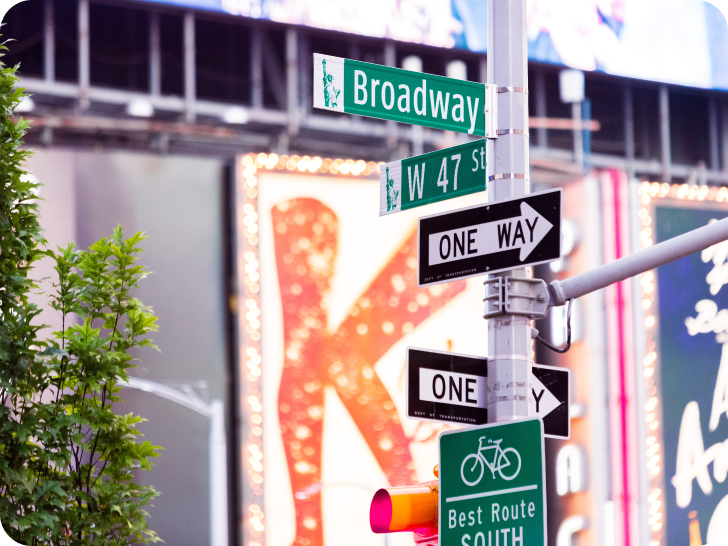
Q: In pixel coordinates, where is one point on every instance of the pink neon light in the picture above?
(622, 361)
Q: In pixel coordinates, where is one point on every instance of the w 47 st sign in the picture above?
(432, 177)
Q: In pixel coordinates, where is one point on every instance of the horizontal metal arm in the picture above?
(639, 262)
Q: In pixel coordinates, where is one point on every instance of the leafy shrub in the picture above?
(66, 459)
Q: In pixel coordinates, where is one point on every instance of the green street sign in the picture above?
(410, 97)
(492, 485)
(432, 177)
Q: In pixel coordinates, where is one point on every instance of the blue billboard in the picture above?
(693, 352)
(682, 42)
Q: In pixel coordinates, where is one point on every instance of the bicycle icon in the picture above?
(504, 458)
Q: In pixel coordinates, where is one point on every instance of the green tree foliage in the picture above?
(66, 459)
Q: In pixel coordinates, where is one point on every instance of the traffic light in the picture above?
(404, 508)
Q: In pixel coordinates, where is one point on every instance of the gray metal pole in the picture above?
(155, 56)
(509, 336)
(713, 133)
(390, 59)
(578, 134)
(49, 43)
(664, 100)
(541, 108)
(84, 55)
(629, 149)
(190, 65)
(639, 262)
(292, 80)
(256, 67)
(724, 135)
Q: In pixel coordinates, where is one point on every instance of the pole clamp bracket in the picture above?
(516, 296)
(491, 111)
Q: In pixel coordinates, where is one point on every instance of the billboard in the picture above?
(686, 368)
(336, 292)
(682, 42)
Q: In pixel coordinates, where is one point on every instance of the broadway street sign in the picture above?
(489, 238)
(446, 387)
(410, 97)
(432, 177)
(492, 485)
(550, 389)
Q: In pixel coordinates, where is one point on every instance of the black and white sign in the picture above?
(490, 238)
(549, 399)
(446, 387)
(453, 388)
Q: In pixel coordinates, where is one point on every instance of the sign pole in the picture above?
(509, 336)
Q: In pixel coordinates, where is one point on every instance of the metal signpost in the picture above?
(491, 477)
(509, 344)
(432, 177)
(489, 238)
(376, 91)
(446, 387)
(492, 482)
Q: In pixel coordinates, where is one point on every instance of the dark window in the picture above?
(24, 25)
(607, 107)
(66, 30)
(328, 46)
(646, 123)
(222, 61)
(432, 63)
(435, 62)
(561, 138)
(119, 40)
(170, 38)
(689, 128)
(274, 69)
(473, 64)
(373, 53)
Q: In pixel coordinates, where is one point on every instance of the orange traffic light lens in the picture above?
(403, 509)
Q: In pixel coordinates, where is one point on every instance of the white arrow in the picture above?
(524, 232)
(541, 401)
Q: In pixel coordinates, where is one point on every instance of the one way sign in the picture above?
(448, 387)
(452, 388)
(548, 398)
(490, 238)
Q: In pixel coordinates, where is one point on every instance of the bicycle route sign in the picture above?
(432, 177)
(446, 387)
(489, 238)
(383, 92)
(492, 485)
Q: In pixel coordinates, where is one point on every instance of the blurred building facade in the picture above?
(193, 121)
